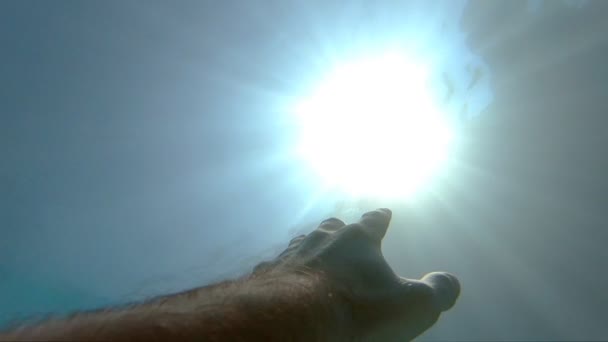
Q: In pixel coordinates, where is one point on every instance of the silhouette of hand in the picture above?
(382, 306)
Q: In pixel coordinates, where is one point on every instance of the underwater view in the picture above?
(153, 147)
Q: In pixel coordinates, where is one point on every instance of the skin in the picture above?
(382, 306)
(330, 285)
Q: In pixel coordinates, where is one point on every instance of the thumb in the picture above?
(446, 288)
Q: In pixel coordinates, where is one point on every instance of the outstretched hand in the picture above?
(380, 305)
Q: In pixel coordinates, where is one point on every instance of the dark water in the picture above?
(145, 149)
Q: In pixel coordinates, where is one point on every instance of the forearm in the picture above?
(280, 307)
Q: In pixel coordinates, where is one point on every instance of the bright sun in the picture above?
(373, 128)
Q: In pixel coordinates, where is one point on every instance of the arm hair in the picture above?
(262, 307)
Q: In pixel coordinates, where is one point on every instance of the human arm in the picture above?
(330, 285)
(288, 306)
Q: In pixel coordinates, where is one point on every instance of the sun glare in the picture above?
(372, 127)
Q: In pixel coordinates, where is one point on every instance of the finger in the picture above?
(293, 245)
(418, 301)
(446, 288)
(332, 224)
(376, 222)
(296, 240)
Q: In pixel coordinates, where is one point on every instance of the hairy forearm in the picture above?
(270, 307)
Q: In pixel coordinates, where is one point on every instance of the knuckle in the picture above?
(317, 234)
(314, 238)
(332, 222)
(297, 239)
